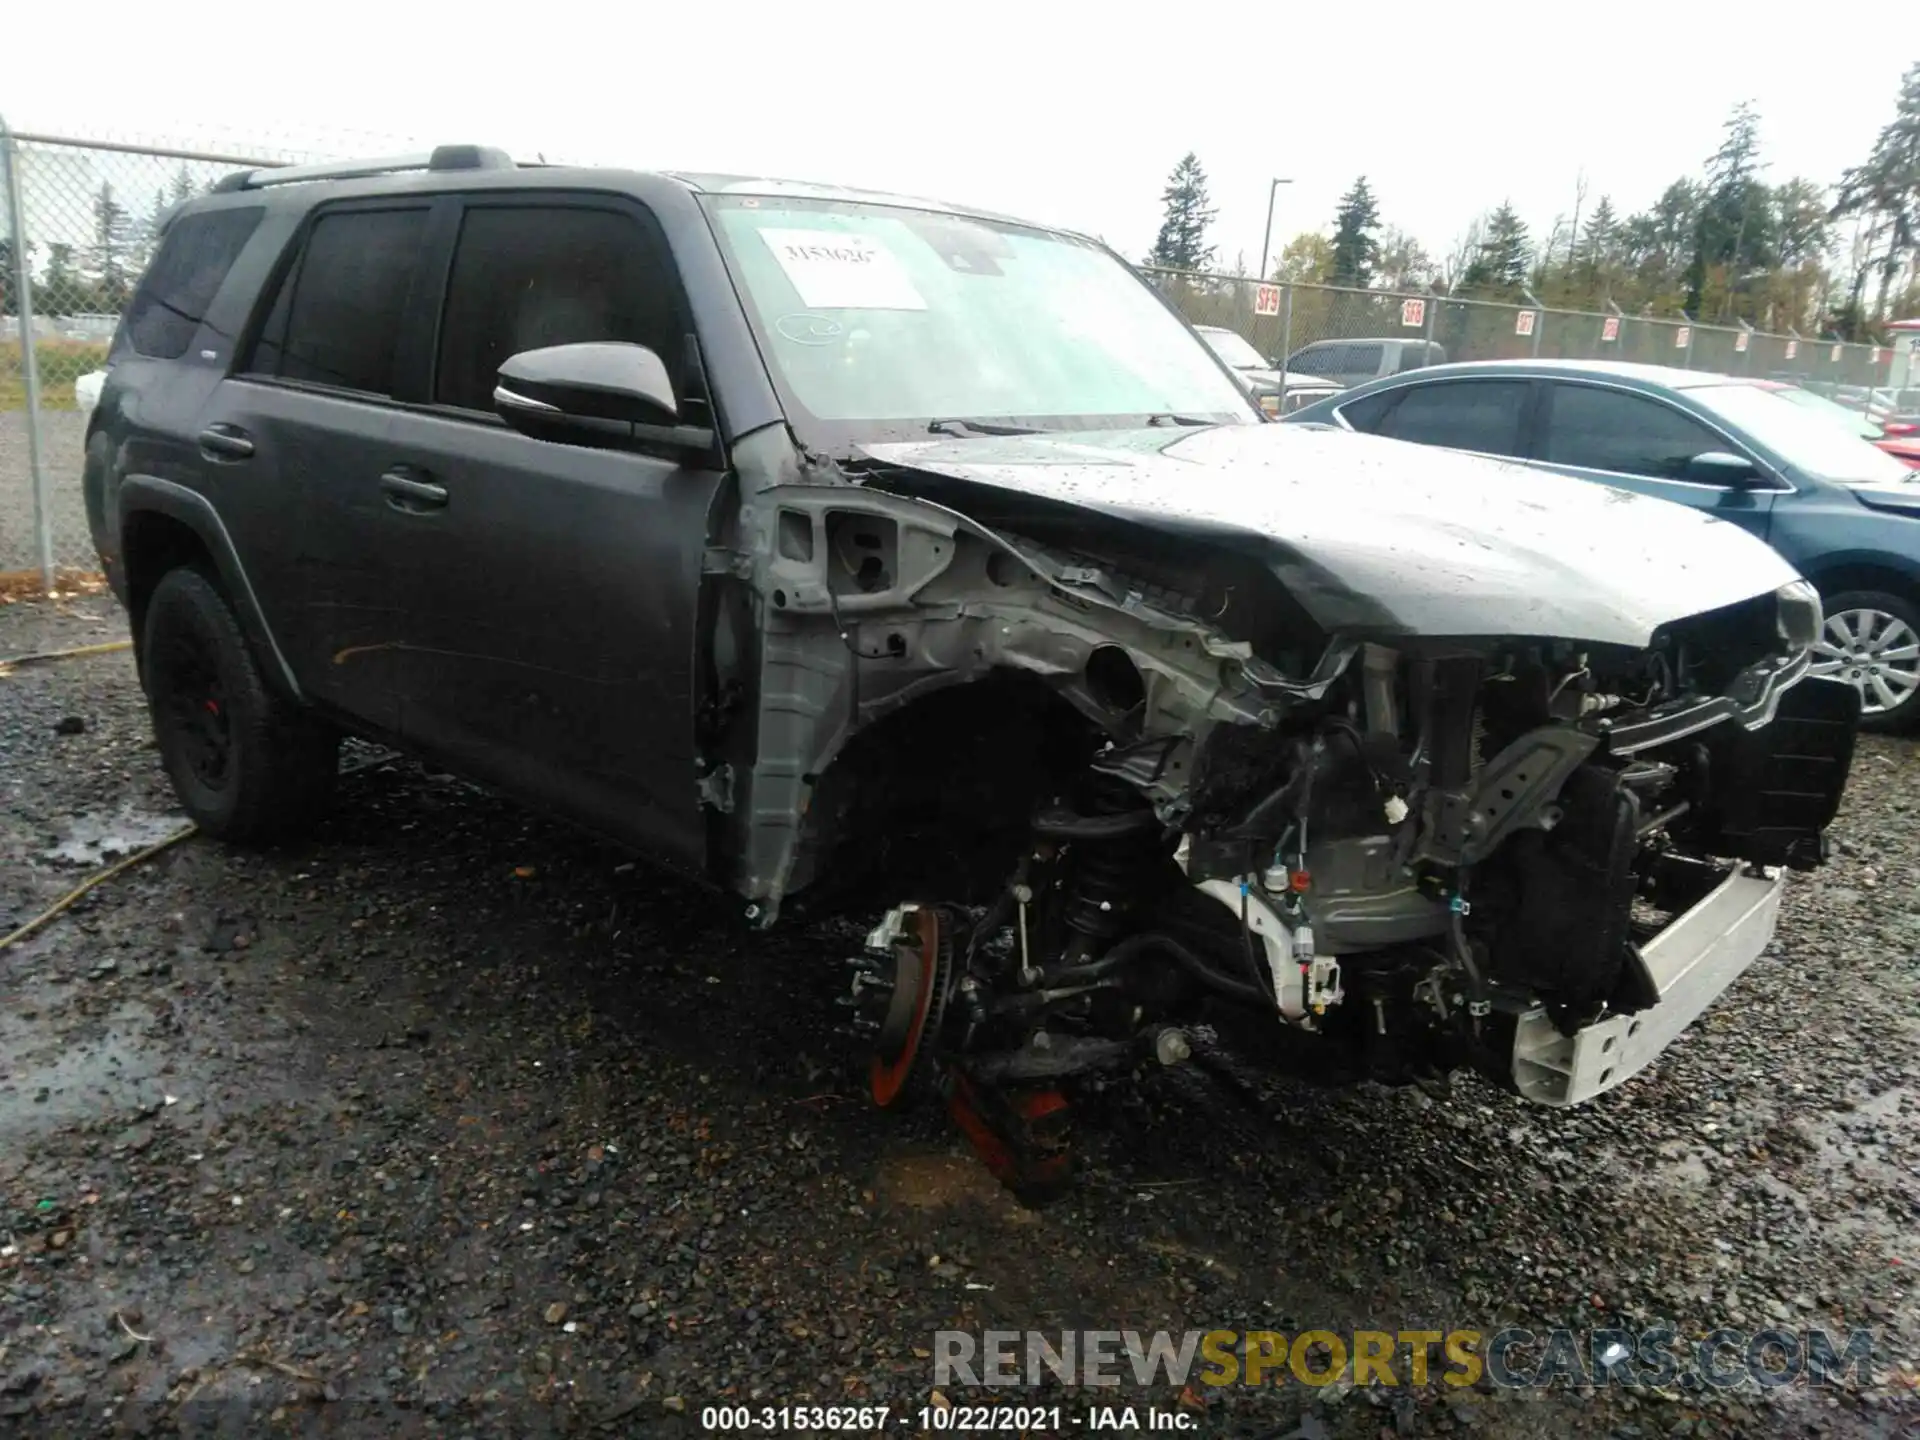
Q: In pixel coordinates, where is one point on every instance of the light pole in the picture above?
(1266, 235)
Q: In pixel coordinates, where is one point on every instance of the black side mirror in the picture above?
(602, 393)
(1718, 467)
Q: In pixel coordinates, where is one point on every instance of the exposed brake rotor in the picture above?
(899, 998)
(902, 983)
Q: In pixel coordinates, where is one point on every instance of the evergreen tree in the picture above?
(1355, 247)
(1598, 246)
(1734, 229)
(112, 247)
(1887, 188)
(1504, 254)
(1181, 244)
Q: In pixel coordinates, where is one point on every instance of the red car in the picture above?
(1898, 439)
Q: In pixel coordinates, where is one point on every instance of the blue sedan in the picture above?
(1843, 513)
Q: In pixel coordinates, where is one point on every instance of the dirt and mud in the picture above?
(451, 1120)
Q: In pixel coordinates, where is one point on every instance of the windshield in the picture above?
(1234, 350)
(877, 320)
(1807, 441)
(1837, 414)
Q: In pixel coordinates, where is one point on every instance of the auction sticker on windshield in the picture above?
(839, 270)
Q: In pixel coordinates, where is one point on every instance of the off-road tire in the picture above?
(277, 771)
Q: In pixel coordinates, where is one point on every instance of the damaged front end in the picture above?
(1124, 797)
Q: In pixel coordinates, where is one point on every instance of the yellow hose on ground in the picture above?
(61, 905)
(65, 901)
(7, 665)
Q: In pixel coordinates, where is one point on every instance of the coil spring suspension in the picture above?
(1114, 844)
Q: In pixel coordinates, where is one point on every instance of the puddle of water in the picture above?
(94, 839)
(113, 1074)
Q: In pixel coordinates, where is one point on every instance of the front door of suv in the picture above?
(554, 587)
(1636, 441)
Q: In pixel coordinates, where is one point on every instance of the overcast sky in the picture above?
(1071, 113)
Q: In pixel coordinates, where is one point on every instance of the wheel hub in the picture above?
(1877, 653)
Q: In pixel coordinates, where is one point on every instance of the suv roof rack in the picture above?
(442, 157)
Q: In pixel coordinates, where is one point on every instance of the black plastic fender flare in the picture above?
(151, 494)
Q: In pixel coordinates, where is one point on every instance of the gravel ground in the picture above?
(452, 1118)
(62, 434)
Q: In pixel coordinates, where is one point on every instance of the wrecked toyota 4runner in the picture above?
(966, 592)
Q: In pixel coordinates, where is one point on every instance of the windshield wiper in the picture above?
(976, 427)
(1169, 419)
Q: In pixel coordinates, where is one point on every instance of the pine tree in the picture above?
(1504, 256)
(1887, 188)
(1181, 244)
(112, 244)
(1355, 248)
(1599, 243)
(1734, 234)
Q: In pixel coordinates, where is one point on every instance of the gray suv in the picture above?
(1347, 363)
(847, 552)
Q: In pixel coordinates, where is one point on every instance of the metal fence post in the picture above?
(1286, 339)
(29, 371)
(1539, 318)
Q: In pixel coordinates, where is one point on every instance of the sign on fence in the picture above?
(1835, 356)
(1683, 337)
(1413, 313)
(1793, 348)
(1266, 300)
(1609, 329)
(1740, 343)
(1878, 354)
(1523, 322)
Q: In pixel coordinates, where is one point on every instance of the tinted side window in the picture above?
(1361, 360)
(1366, 413)
(178, 287)
(530, 276)
(1628, 434)
(1320, 360)
(1460, 414)
(337, 318)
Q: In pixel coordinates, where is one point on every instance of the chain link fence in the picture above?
(78, 222)
(1279, 319)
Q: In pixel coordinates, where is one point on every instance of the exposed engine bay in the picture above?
(1176, 804)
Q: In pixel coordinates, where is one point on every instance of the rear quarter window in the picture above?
(195, 257)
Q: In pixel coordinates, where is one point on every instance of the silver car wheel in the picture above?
(1878, 653)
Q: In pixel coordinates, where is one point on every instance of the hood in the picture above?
(1376, 537)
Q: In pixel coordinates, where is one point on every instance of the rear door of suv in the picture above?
(301, 426)
(551, 590)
